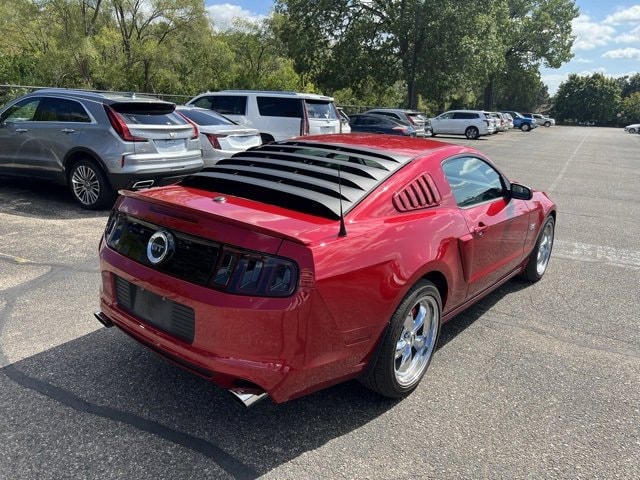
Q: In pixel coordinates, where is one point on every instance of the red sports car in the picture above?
(303, 263)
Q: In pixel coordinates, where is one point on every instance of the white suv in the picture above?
(470, 123)
(276, 115)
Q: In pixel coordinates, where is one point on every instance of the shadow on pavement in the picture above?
(40, 199)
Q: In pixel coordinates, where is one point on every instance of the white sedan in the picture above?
(634, 128)
(220, 137)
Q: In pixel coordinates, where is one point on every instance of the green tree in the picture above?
(535, 33)
(631, 108)
(433, 47)
(588, 98)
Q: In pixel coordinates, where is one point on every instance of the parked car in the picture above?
(344, 119)
(416, 119)
(96, 143)
(633, 128)
(276, 115)
(508, 118)
(373, 123)
(471, 123)
(520, 121)
(220, 137)
(304, 263)
(502, 123)
(540, 119)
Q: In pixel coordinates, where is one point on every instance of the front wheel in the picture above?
(472, 133)
(525, 127)
(541, 253)
(547, 124)
(89, 186)
(632, 130)
(408, 346)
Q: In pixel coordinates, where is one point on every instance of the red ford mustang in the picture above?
(300, 264)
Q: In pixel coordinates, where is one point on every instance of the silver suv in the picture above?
(97, 143)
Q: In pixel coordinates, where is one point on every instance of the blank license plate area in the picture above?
(173, 145)
(164, 314)
(153, 308)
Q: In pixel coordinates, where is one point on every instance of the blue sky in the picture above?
(607, 35)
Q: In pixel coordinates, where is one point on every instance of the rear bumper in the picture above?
(242, 344)
(149, 179)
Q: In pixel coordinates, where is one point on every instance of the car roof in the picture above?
(104, 97)
(322, 175)
(393, 110)
(272, 93)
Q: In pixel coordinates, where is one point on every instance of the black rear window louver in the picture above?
(420, 193)
(308, 177)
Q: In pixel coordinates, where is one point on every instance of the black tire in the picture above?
(472, 133)
(386, 375)
(541, 253)
(525, 127)
(632, 130)
(547, 124)
(89, 186)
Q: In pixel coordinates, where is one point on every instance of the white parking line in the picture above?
(565, 166)
(597, 253)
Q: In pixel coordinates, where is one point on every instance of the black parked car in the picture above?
(370, 123)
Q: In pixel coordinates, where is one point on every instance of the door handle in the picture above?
(479, 230)
(21, 130)
(68, 130)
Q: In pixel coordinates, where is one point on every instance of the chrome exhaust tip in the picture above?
(248, 399)
(142, 184)
(103, 319)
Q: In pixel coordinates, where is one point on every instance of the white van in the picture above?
(276, 115)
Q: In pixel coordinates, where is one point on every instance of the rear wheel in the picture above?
(89, 185)
(541, 253)
(472, 133)
(525, 127)
(408, 346)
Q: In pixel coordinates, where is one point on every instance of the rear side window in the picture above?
(279, 107)
(61, 110)
(148, 113)
(465, 115)
(227, 104)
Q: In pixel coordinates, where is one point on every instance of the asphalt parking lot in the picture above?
(538, 381)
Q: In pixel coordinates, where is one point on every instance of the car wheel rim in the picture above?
(417, 341)
(85, 184)
(544, 249)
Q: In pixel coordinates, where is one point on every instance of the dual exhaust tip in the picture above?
(246, 399)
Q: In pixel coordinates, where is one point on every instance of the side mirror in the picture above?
(520, 192)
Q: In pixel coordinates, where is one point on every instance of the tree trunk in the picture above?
(489, 95)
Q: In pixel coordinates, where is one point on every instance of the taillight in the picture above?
(400, 129)
(196, 130)
(213, 140)
(119, 125)
(242, 272)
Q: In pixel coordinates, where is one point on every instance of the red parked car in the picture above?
(303, 263)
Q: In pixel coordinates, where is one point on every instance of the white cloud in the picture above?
(222, 15)
(629, 15)
(632, 36)
(582, 60)
(589, 34)
(626, 53)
